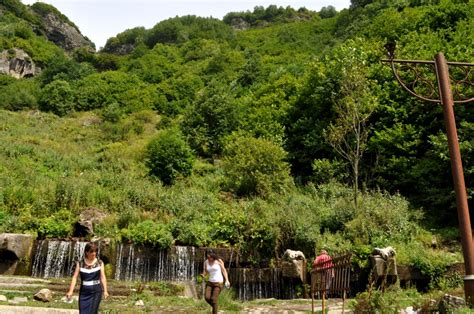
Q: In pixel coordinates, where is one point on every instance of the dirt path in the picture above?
(299, 307)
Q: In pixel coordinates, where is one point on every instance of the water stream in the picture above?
(56, 259)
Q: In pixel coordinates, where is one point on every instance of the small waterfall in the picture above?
(148, 264)
(56, 259)
(260, 283)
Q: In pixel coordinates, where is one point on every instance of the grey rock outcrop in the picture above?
(44, 295)
(120, 50)
(85, 225)
(18, 244)
(64, 34)
(239, 23)
(15, 250)
(17, 63)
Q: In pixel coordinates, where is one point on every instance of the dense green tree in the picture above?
(214, 115)
(169, 157)
(255, 167)
(126, 41)
(182, 29)
(101, 89)
(327, 12)
(64, 68)
(18, 94)
(57, 97)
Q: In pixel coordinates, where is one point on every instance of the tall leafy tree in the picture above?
(356, 102)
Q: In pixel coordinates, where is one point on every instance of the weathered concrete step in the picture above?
(34, 310)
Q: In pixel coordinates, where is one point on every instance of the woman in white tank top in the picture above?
(214, 267)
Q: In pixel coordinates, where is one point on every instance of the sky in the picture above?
(102, 19)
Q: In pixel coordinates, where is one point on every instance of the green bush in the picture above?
(59, 225)
(168, 156)
(18, 94)
(54, 228)
(149, 232)
(57, 97)
(192, 231)
(382, 219)
(255, 167)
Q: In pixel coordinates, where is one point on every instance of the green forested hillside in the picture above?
(194, 132)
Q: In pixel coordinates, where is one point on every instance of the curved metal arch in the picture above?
(412, 92)
(467, 68)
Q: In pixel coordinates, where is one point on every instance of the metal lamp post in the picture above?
(419, 85)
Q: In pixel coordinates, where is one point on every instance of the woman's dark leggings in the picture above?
(213, 289)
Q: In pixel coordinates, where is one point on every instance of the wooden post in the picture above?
(324, 302)
(343, 301)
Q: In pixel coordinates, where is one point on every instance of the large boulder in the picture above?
(294, 265)
(15, 251)
(294, 269)
(17, 63)
(44, 295)
(87, 219)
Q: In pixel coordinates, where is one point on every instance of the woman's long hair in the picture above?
(91, 247)
(212, 254)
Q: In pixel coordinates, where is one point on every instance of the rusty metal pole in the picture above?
(444, 84)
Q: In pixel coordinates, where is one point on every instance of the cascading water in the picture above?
(56, 259)
(146, 264)
(257, 283)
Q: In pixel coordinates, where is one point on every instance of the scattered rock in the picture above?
(408, 310)
(17, 63)
(74, 298)
(91, 121)
(3, 298)
(17, 300)
(20, 244)
(122, 49)
(44, 295)
(449, 303)
(140, 303)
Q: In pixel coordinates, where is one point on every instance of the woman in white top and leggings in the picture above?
(214, 266)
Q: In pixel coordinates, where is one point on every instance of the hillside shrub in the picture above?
(149, 232)
(59, 225)
(255, 166)
(57, 97)
(168, 156)
(18, 94)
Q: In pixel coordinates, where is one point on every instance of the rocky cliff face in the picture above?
(17, 63)
(63, 34)
(240, 24)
